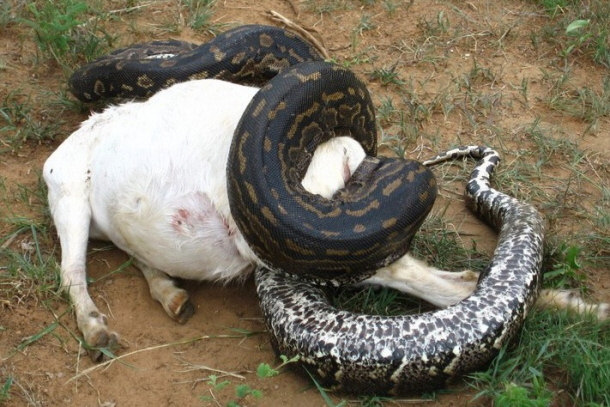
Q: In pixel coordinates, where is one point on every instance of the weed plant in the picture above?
(200, 14)
(572, 354)
(19, 123)
(581, 28)
(65, 31)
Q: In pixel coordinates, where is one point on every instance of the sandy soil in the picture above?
(173, 362)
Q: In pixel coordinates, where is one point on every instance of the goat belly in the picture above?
(158, 179)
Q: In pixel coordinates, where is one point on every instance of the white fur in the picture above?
(150, 177)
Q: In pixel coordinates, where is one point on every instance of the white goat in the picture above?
(150, 177)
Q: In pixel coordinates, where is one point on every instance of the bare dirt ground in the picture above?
(172, 363)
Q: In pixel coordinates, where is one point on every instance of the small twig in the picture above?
(130, 9)
(8, 241)
(294, 26)
(123, 10)
(586, 157)
(191, 366)
(214, 398)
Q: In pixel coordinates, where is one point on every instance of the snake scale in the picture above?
(308, 241)
(367, 224)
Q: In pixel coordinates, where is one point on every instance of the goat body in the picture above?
(150, 177)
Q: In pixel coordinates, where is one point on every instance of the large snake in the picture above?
(307, 240)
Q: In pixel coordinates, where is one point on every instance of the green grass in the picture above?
(200, 13)
(572, 354)
(28, 260)
(66, 30)
(327, 6)
(20, 123)
(580, 28)
(365, 24)
(581, 102)
(221, 383)
(5, 389)
(387, 76)
(5, 14)
(28, 270)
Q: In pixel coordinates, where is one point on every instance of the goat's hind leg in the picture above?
(445, 288)
(175, 301)
(72, 217)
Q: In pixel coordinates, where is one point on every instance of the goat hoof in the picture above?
(468, 276)
(179, 307)
(186, 312)
(100, 341)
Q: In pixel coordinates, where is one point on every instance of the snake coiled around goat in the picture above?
(368, 224)
(383, 205)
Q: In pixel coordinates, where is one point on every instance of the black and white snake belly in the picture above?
(413, 353)
(366, 225)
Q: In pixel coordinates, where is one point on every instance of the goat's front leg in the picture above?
(175, 301)
(72, 217)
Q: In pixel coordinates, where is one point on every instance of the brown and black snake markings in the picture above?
(307, 240)
(366, 225)
(250, 54)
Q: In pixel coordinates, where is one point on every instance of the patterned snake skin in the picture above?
(366, 225)
(412, 353)
(249, 54)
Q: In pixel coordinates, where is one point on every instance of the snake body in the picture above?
(249, 54)
(412, 353)
(308, 240)
(368, 224)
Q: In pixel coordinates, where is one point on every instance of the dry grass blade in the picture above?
(190, 367)
(148, 349)
(295, 27)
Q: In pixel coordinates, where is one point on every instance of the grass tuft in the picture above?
(64, 33)
(5, 390)
(583, 103)
(200, 15)
(19, 123)
(580, 29)
(572, 354)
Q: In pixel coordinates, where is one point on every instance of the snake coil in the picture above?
(413, 353)
(366, 225)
